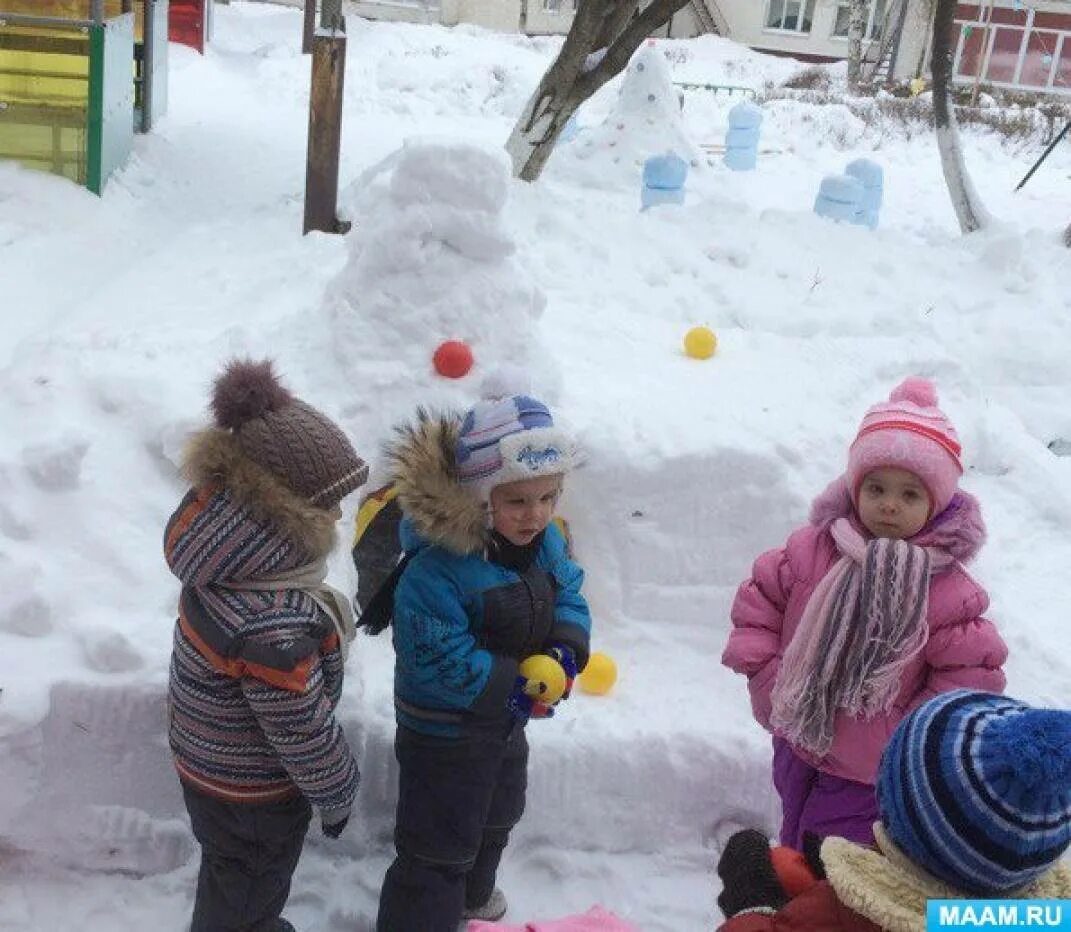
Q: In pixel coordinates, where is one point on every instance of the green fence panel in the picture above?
(111, 99)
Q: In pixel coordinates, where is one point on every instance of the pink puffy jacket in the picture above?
(963, 650)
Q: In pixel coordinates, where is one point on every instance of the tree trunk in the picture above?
(600, 43)
(857, 15)
(970, 211)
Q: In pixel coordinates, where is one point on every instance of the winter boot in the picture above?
(491, 911)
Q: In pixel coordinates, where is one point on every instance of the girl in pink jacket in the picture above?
(864, 615)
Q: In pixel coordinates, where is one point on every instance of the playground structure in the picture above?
(77, 78)
(189, 23)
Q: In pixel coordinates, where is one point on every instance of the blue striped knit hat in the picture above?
(508, 439)
(976, 789)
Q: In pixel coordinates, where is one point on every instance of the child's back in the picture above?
(256, 670)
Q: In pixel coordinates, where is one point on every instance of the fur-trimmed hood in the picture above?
(890, 890)
(213, 457)
(959, 529)
(424, 470)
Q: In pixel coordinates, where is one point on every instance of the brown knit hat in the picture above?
(282, 434)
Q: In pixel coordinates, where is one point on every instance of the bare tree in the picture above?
(970, 211)
(600, 43)
(857, 15)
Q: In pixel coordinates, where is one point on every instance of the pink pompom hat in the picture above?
(909, 432)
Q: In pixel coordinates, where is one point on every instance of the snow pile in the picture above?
(645, 121)
(432, 259)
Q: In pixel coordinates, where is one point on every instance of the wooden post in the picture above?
(310, 27)
(325, 133)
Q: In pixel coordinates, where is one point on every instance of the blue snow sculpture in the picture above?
(569, 131)
(663, 180)
(873, 180)
(742, 137)
(840, 198)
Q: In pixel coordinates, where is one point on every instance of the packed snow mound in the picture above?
(432, 258)
(646, 120)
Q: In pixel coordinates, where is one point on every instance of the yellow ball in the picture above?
(546, 678)
(599, 675)
(700, 343)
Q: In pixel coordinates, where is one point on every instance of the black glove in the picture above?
(812, 854)
(334, 829)
(748, 876)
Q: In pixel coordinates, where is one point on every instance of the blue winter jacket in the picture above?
(463, 624)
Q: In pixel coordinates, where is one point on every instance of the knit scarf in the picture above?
(863, 624)
(310, 579)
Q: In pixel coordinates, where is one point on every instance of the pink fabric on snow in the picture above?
(595, 919)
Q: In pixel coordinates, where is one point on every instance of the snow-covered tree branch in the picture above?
(603, 37)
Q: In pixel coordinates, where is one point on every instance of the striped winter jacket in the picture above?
(462, 622)
(255, 675)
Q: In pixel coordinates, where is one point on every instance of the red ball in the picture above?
(453, 359)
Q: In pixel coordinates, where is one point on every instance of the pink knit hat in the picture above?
(909, 432)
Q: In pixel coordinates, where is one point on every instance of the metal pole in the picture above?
(97, 11)
(1044, 155)
(309, 27)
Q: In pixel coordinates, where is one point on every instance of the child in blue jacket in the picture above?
(487, 583)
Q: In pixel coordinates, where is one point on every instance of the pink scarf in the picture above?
(863, 624)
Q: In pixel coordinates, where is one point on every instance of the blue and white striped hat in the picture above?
(507, 439)
(976, 789)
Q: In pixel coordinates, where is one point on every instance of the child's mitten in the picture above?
(332, 824)
(522, 706)
(566, 657)
(748, 877)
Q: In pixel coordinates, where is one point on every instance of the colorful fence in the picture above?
(66, 88)
(1014, 48)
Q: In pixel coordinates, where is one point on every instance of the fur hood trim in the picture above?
(959, 529)
(887, 888)
(424, 471)
(213, 457)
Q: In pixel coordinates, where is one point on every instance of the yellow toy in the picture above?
(599, 675)
(700, 343)
(546, 678)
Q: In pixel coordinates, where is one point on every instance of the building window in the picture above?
(552, 6)
(790, 15)
(875, 18)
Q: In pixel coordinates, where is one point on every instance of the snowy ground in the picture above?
(117, 313)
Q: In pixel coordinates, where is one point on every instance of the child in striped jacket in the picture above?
(256, 670)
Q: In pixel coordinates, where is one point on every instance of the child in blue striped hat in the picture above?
(974, 793)
(486, 582)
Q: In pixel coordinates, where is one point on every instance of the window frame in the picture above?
(805, 7)
(873, 22)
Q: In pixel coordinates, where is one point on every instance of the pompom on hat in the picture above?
(975, 788)
(909, 432)
(285, 436)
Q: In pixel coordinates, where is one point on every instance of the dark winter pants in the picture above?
(458, 798)
(248, 855)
